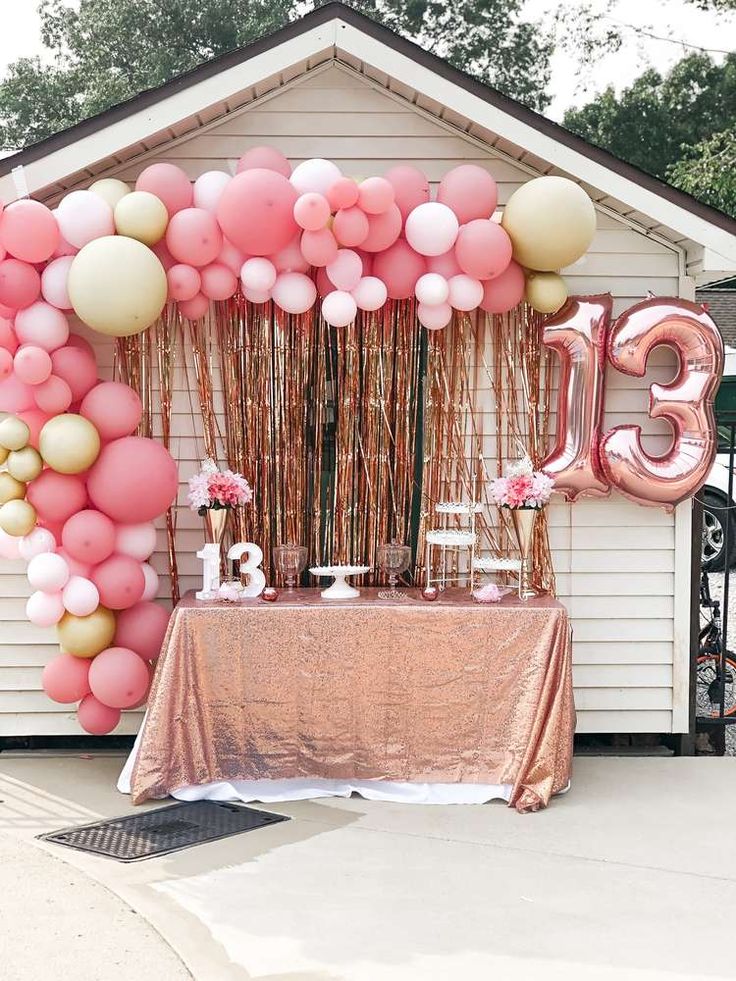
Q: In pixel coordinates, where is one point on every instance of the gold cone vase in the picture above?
(523, 520)
(215, 521)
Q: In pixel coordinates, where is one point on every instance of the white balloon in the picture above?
(83, 216)
(315, 175)
(370, 293)
(150, 575)
(137, 541)
(465, 292)
(80, 596)
(48, 572)
(40, 540)
(208, 189)
(339, 308)
(53, 282)
(294, 292)
(258, 274)
(431, 228)
(432, 289)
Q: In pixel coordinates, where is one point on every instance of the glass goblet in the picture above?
(393, 559)
(290, 561)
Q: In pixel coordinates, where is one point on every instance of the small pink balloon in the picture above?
(53, 396)
(32, 364)
(89, 537)
(169, 183)
(6, 363)
(133, 479)
(15, 395)
(322, 282)
(194, 309)
(28, 231)
(119, 581)
(294, 292)
(434, 317)
(84, 216)
(80, 596)
(44, 609)
(290, 258)
(20, 284)
(35, 419)
(137, 541)
(76, 367)
(218, 282)
(343, 193)
(95, 718)
(311, 211)
(345, 270)
(63, 247)
(42, 324)
(150, 591)
(9, 546)
(339, 308)
(8, 338)
(375, 195)
(54, 281)
(267, 199)
(35, 543)
(367, 259)
(470, 191)
(319, 248)
(118, 677)
(163, 255)
(399, 267)
(264, 158)
(76, 568)
(258, 274)
(142, 628)
(431, 229)
(432, 289)
(504, 292)
(56, 496)
(383, 230)
(194, 237)
(411, 188)
(466, 293)
(65, 678)
(76, 340)
(370, 293)
(445, 264)
(208, 189)
(48, 571)
(184, 282)
(350, 226)
(483, 249)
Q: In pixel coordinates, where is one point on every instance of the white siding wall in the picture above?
(616, 561)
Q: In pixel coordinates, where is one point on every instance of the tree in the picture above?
(708, 171)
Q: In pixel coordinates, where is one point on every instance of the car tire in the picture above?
(714, 550)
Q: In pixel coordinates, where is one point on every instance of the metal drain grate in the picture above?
(167, 829)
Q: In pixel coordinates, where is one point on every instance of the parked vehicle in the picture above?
(716, 550)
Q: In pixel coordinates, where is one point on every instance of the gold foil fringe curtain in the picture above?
(349, 437)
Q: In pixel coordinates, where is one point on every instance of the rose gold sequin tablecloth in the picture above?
(445, 692)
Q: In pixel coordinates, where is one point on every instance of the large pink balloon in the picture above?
(133, 479)
(89, 536)
(84, 216)
(290, 258)
(77, 368)
(470, 191)
(80, 596)
(95, 718)
(42, 324)
(118, 677)
(120, 582)
(256, 211)
(218, 281)
(350, 226)
(445, 264)
(375, 195)
(504, 292)
(65, 678)
(137, 541)
(8, 338)
(6, 364)
(15, 395)
(194, 237)
(184, 282)
(319, 248)
(28, 231)
(53, 396)
(56, 496)
(113, 408)
(411, 188)
(169, 183)
(383, 230)
(264, 158)
(32, 364)
(54, 281)
(142, 628)
(20, 284)
(399, 267)
(483, 249)
(195, 308)
(44, 609)
(35, 419)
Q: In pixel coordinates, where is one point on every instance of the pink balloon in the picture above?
(84, 216)
(163, 255)
(95, 718)
(218, 282)
(322, 282)
(264, 158)
(504, 292)
(32, 364)
(8, 338)
(343, 193)
(411, 188)
(77, 368)
(231, 257)
(56, 496)
(258, 274)
(118, 677)
(119, 581)
(294, 292)
(89, 536)
(432, 289)
(290, 258)
(257, 296)
(431, 229)
(133, 480)
(63, 247)
(53, 396)
(445, 264)
(367, 259)
(169, 183)
(256, 211)
(194, 237)
(48, 571)
(6, 363)
(184, 282)
(20, 284)
(80, 596)
(311, 211)
(28, 231)
(150, 591)
(42, 324)
(434, 317)
(76, 340)
(375, 195)
(483, 249)
(470, 191)
(35, 419)
(370, 293)
(9, 546)
(35, 543)
(339, 309)
(319, 248)
(113, 408)
(65, 678)
(194, 309)
(76, 568)
(208, 189)
(15, 395)
(350, 226)
(44, 609)
(137, 541)
(142, 628)
(466, 293)
(345, 270)
(383, 230)
(399, 267)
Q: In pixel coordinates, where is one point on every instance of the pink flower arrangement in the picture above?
(213, 488)
(522, 490)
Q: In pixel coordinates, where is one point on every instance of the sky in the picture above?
(674, 20)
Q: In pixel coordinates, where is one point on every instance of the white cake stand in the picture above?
(340, 589)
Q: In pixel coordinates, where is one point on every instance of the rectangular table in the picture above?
(448, 692)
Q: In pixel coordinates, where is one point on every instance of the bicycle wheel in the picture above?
(708, 687)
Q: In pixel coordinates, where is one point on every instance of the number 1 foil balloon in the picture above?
(686, 402)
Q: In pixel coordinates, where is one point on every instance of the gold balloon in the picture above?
(117, 286)
(110, 189)
(11, 488)
(551, 223)
(3, 455)
(545, 292)
(17, 518)
(69, 443)
(14, 434)
(141, 216)
(25, 464)
(86, 636)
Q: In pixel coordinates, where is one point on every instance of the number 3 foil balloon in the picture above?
(686, 402)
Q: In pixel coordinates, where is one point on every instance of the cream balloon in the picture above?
(11, 489)
(551, 223)
(25, 464)
(69, 443)
(545, 292)
(14, 433)
(117, 286)
(142, 216)
(4, 454)
(110, 189)
(86, 636)
(17, 518)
